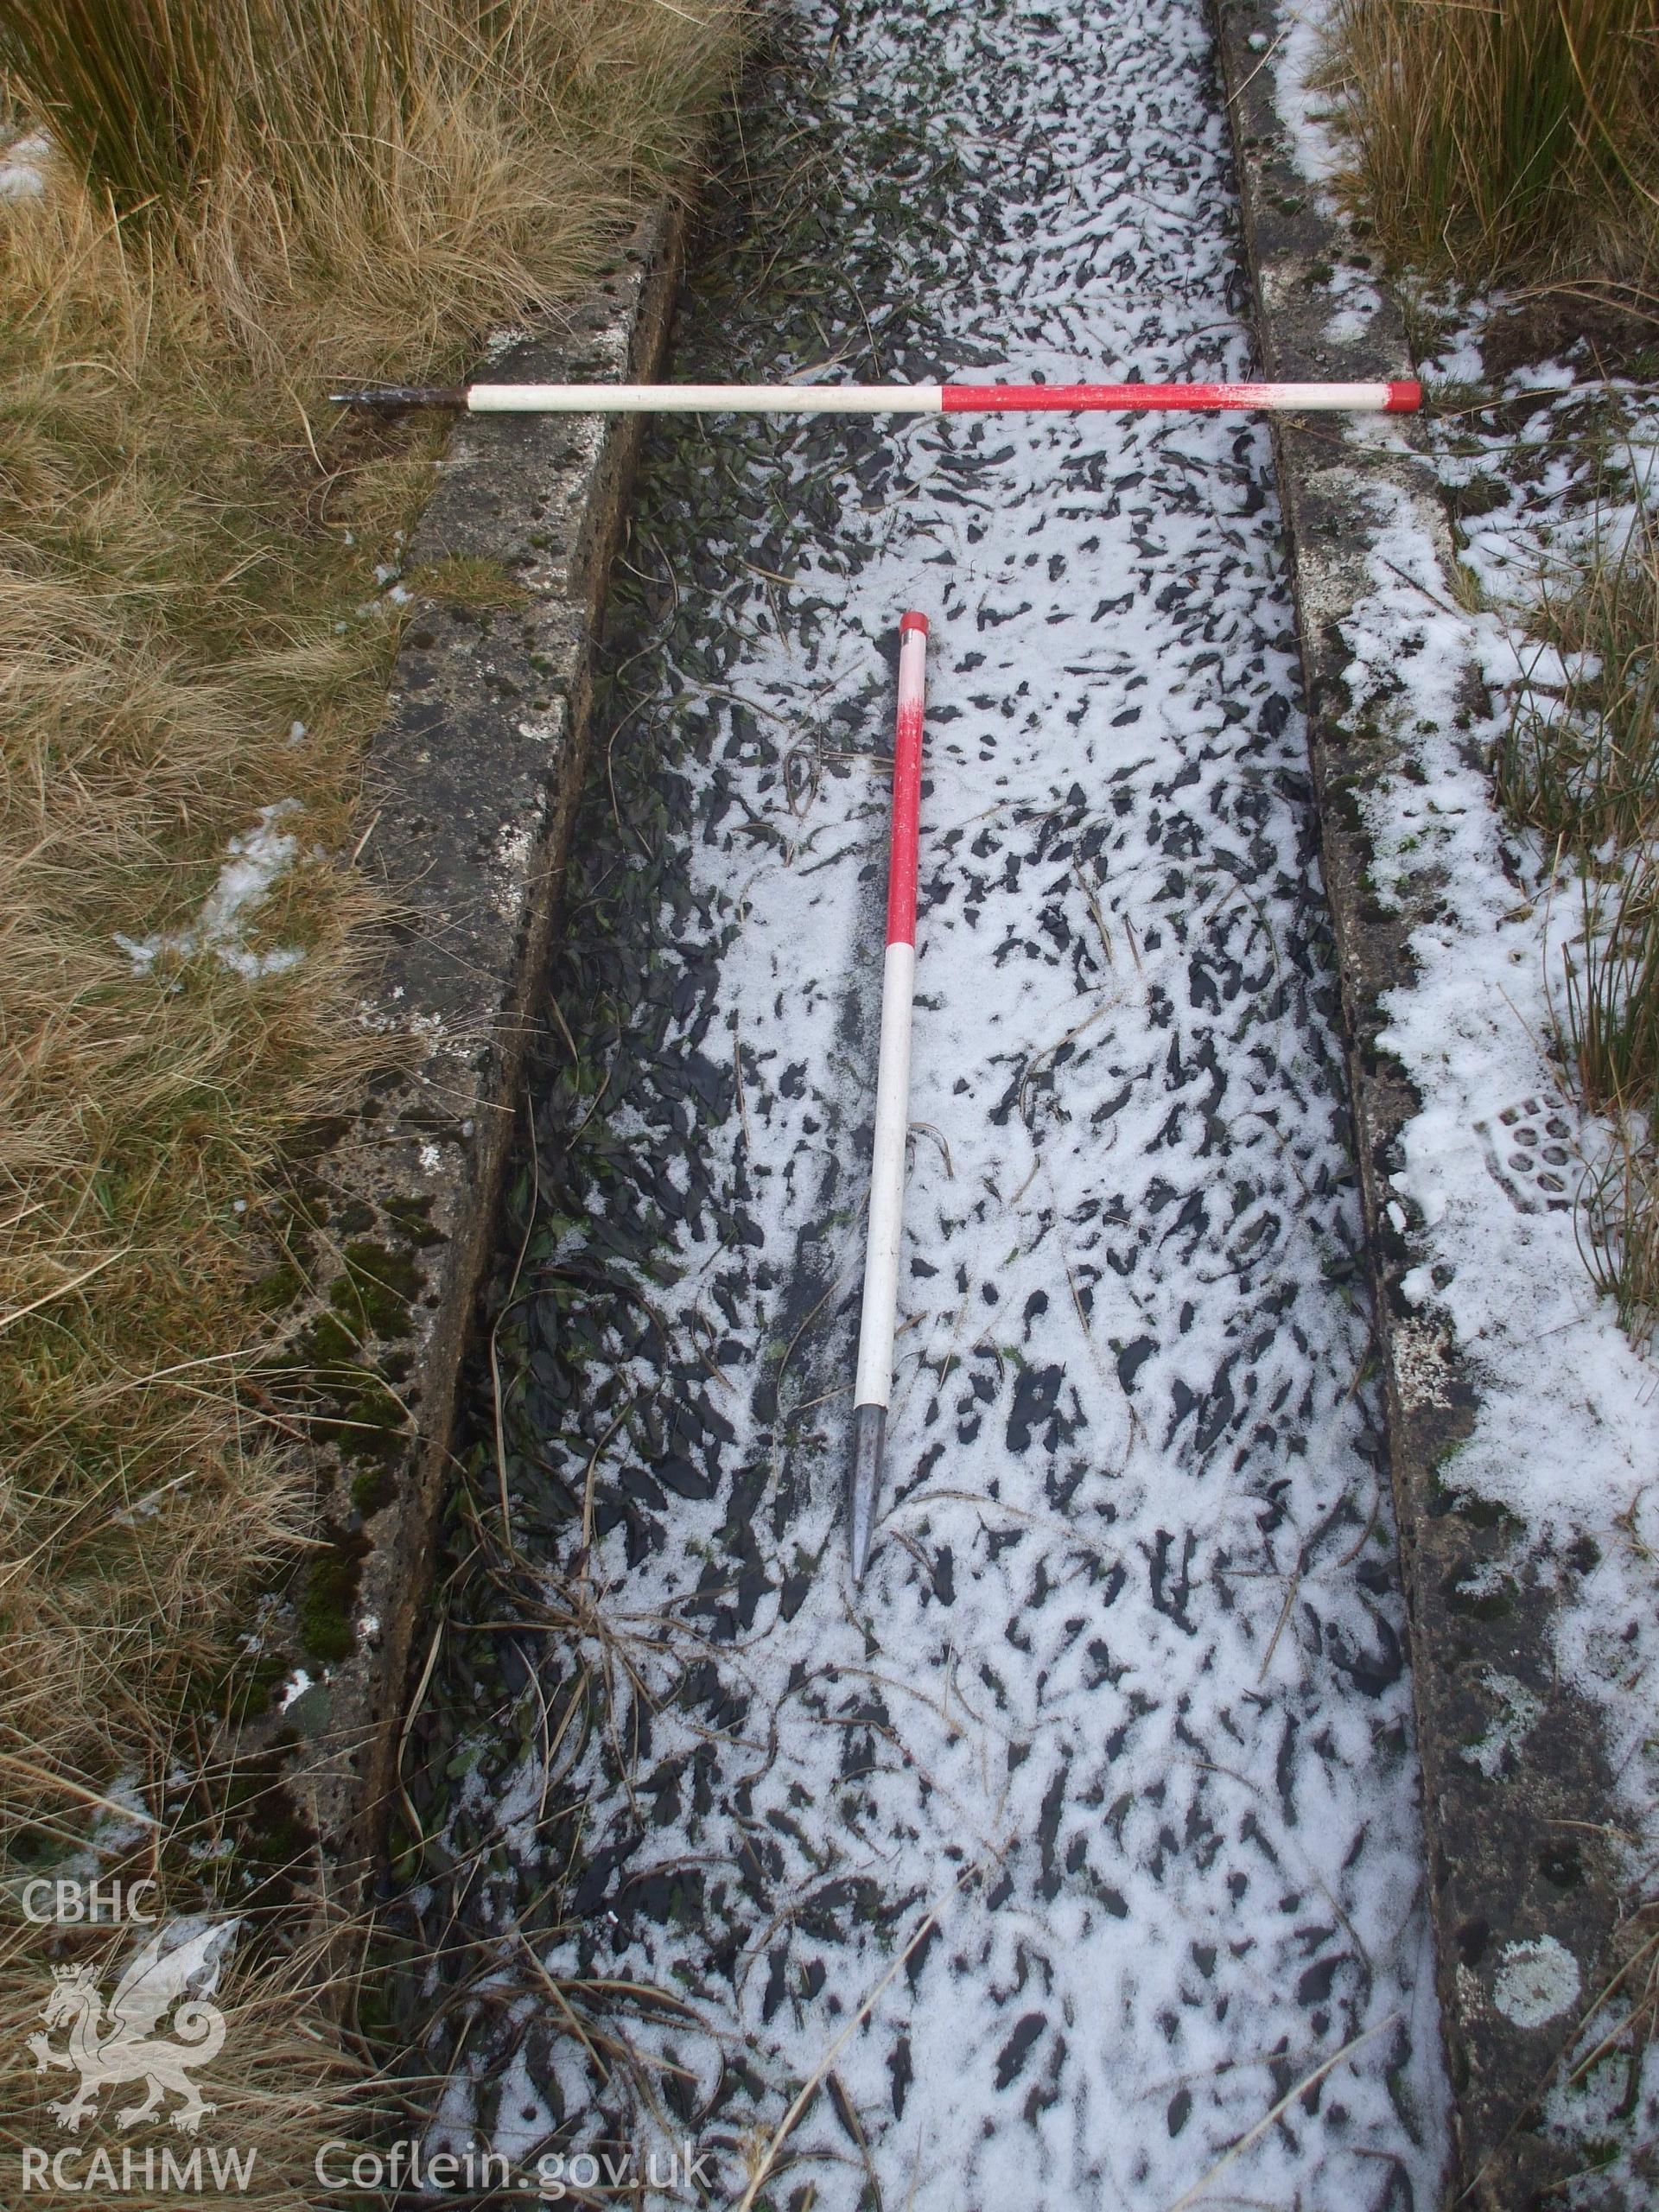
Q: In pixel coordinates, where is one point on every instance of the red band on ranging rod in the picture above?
(1401, 396)
(907, 785)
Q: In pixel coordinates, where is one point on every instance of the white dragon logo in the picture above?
(180, 1964)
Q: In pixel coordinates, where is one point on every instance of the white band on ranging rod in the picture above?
(878, 1316)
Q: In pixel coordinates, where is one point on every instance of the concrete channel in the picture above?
(1076, 1857)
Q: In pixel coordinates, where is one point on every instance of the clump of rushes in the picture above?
(1494, 138)
(1613, 991)
(385, 177)
(1610, 1033)
(129, 87)
(1619, 1213)
(242, 202)
(1583, 769)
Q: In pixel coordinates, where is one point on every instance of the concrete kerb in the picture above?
(472, 781)
(1520, 1855)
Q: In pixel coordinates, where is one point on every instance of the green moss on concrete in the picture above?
(324, 1610)
(377, 1290)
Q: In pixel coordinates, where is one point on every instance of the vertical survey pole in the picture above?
(877, 1320)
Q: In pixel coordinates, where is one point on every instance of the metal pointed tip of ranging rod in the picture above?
(395, 399)
(869, 1432)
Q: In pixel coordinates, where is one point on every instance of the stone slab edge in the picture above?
(1521, 1852)
(471, 782)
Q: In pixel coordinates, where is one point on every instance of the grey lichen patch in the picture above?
(1498, 1749)
(1536, 1982)
(1422, 1363)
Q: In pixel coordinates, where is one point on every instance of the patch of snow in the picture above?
(1603, 2106)
(1564, 1437)
(523, 2118)
(255, 860)
(1354, 302)
(293, 1689)
(120, 1830)
(23, 171)
(454, 2127)
(1303, 111)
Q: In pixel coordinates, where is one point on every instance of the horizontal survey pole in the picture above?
(1398, 398)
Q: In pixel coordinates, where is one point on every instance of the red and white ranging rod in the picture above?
(1400, 398)
(873, 1386)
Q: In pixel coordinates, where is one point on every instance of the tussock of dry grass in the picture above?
(1502, 139)
(162, 638)
(186, 541)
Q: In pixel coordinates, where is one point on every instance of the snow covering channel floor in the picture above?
(1122, 1702)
